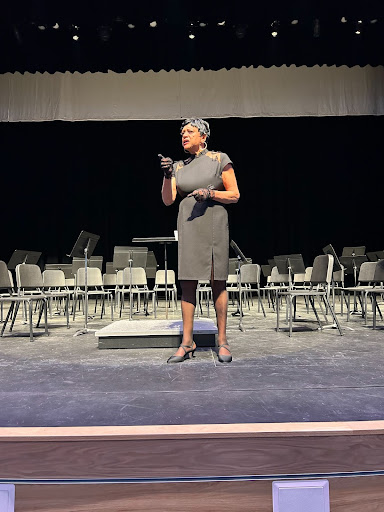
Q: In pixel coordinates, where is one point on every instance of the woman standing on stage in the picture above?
(207, 182)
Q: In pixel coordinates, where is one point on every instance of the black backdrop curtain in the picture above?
(304, 183)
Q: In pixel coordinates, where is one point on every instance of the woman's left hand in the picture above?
(201, 194)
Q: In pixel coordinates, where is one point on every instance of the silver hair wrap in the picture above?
(198, 123)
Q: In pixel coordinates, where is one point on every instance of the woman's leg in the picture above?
(188, 304)
(220, 299)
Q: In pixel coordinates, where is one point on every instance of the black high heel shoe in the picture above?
(224, 359)
(188, 354)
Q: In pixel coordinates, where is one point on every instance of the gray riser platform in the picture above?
(154, 334)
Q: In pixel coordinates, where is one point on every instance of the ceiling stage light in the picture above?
(56, 26)
(373, 21)
(153, 24)
(191, 36)
(275, 27)
(131, 25)
(294, 22)
(75, 37)
(221, 23)
(343, 19)
(41, 27)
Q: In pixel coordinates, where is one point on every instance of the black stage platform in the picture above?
(63, 380)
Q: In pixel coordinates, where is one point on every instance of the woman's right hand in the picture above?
(166, 164)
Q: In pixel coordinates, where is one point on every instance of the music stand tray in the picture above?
(21, 256)
(354, 251)
(375, 255)
(126, 256)
(238, 252)
(65, 267)
(84, 241)
(328, 249)
(290, 264)
(352, 263)
(266, 270)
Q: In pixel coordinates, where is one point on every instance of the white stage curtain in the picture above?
(246, 92)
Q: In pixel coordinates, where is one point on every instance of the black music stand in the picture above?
(126, 256)
(352, 258)
(123, 254)
(337, 266)
(92, 262)
(266, 270)
(162, 240)
(290, 264)
(65, 267)
(84, 247)
(375, 255)
(240, 258)
(328, 249)
(19, 256)
(354, 251)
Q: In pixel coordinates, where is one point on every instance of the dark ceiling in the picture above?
(39, 35)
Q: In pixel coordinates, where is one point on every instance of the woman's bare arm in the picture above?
(231, 193)
(168, 191)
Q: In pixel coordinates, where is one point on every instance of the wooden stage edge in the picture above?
(202, 431)
(190, 467)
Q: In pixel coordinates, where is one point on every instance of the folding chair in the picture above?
(29, 281)
(171, 286)
(320, 288)
(16, 300)
(134, 282)
(95, 289)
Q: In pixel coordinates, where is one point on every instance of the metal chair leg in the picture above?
(15, 315)
(333, 315)
(312, 302)
(30, 310)
(9, 314)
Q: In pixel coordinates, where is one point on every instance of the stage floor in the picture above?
(62, 380)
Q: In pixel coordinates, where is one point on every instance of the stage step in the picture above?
(154, 333)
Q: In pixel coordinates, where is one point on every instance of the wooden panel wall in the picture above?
(190, 451)
(346, 494)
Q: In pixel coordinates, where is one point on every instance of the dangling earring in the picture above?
(204, 147)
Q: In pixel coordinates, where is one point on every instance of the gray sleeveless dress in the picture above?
(202, 227)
